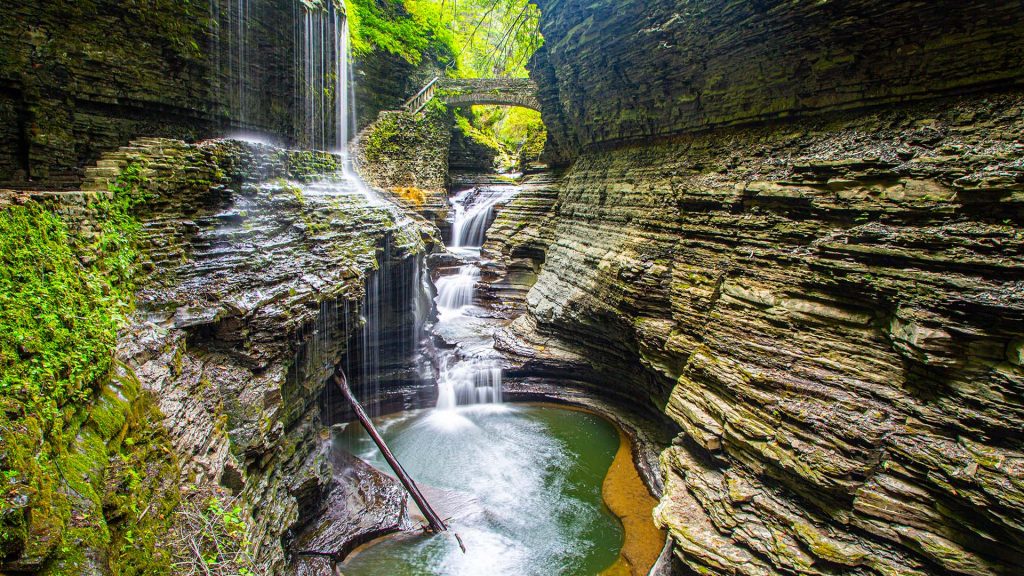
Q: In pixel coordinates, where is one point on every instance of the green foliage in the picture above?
(385, 138)
(141, 493)
(503, 160)
(514, 127)
(214, 524)
(479, 136)
(387, 25)
(59, 317)
(491, 37)
(472, 38)
(518, 133)
(85, 463)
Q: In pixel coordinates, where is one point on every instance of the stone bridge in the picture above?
(472, 91)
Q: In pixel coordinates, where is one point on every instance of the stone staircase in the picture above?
(109, 167)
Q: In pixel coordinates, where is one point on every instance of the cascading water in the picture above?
(456, 291)
(471, 373)
(323, 110)
(474, 210)
(324, 88)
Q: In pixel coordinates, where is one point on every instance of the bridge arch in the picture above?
(473, 91)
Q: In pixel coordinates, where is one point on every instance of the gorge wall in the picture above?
(825, 295)
(82, 78)
(627, 70)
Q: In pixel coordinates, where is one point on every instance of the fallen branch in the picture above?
(433, 520)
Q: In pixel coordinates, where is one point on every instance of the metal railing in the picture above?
(418, 102)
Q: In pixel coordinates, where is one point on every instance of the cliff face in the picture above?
(251, 283)
(829, 308)
(255, 288)
(80, 79)
(614, 70)
(77, 80)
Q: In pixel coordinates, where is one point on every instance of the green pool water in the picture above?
(521, 484)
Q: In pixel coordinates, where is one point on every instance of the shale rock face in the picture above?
(831, 312)
(830, 309)
(83, 78)
(612, 70)
(406, 154)
(80, 79)
(254, 287)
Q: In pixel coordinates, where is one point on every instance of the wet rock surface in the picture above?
(829, 310)
(256, 261)
(406, 155)
(359, 504)
(80, 80)
(517, 240)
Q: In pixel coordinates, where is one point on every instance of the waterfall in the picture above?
(325, 86)
(244, 64)
(456, 291)
(323, 110)
(474, 211)
(469, 374)
(469, 382)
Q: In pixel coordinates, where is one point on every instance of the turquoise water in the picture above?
(521, 486)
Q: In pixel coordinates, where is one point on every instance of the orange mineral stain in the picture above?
(627, 497)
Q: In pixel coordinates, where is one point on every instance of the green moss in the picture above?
(384, 138)
(308, 165)
(142, 495)
(66, 410)
(30, 481)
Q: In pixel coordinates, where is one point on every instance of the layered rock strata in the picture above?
(831, 311)
(612, 70)
(253, 272)
(255, 292)
(517, 240)
(406, 154)
(828, 307)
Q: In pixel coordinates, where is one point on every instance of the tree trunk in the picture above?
(433, 520)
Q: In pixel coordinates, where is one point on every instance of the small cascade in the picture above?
(474, 211)
(470, 373)
(456, 291)
(469, 382)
